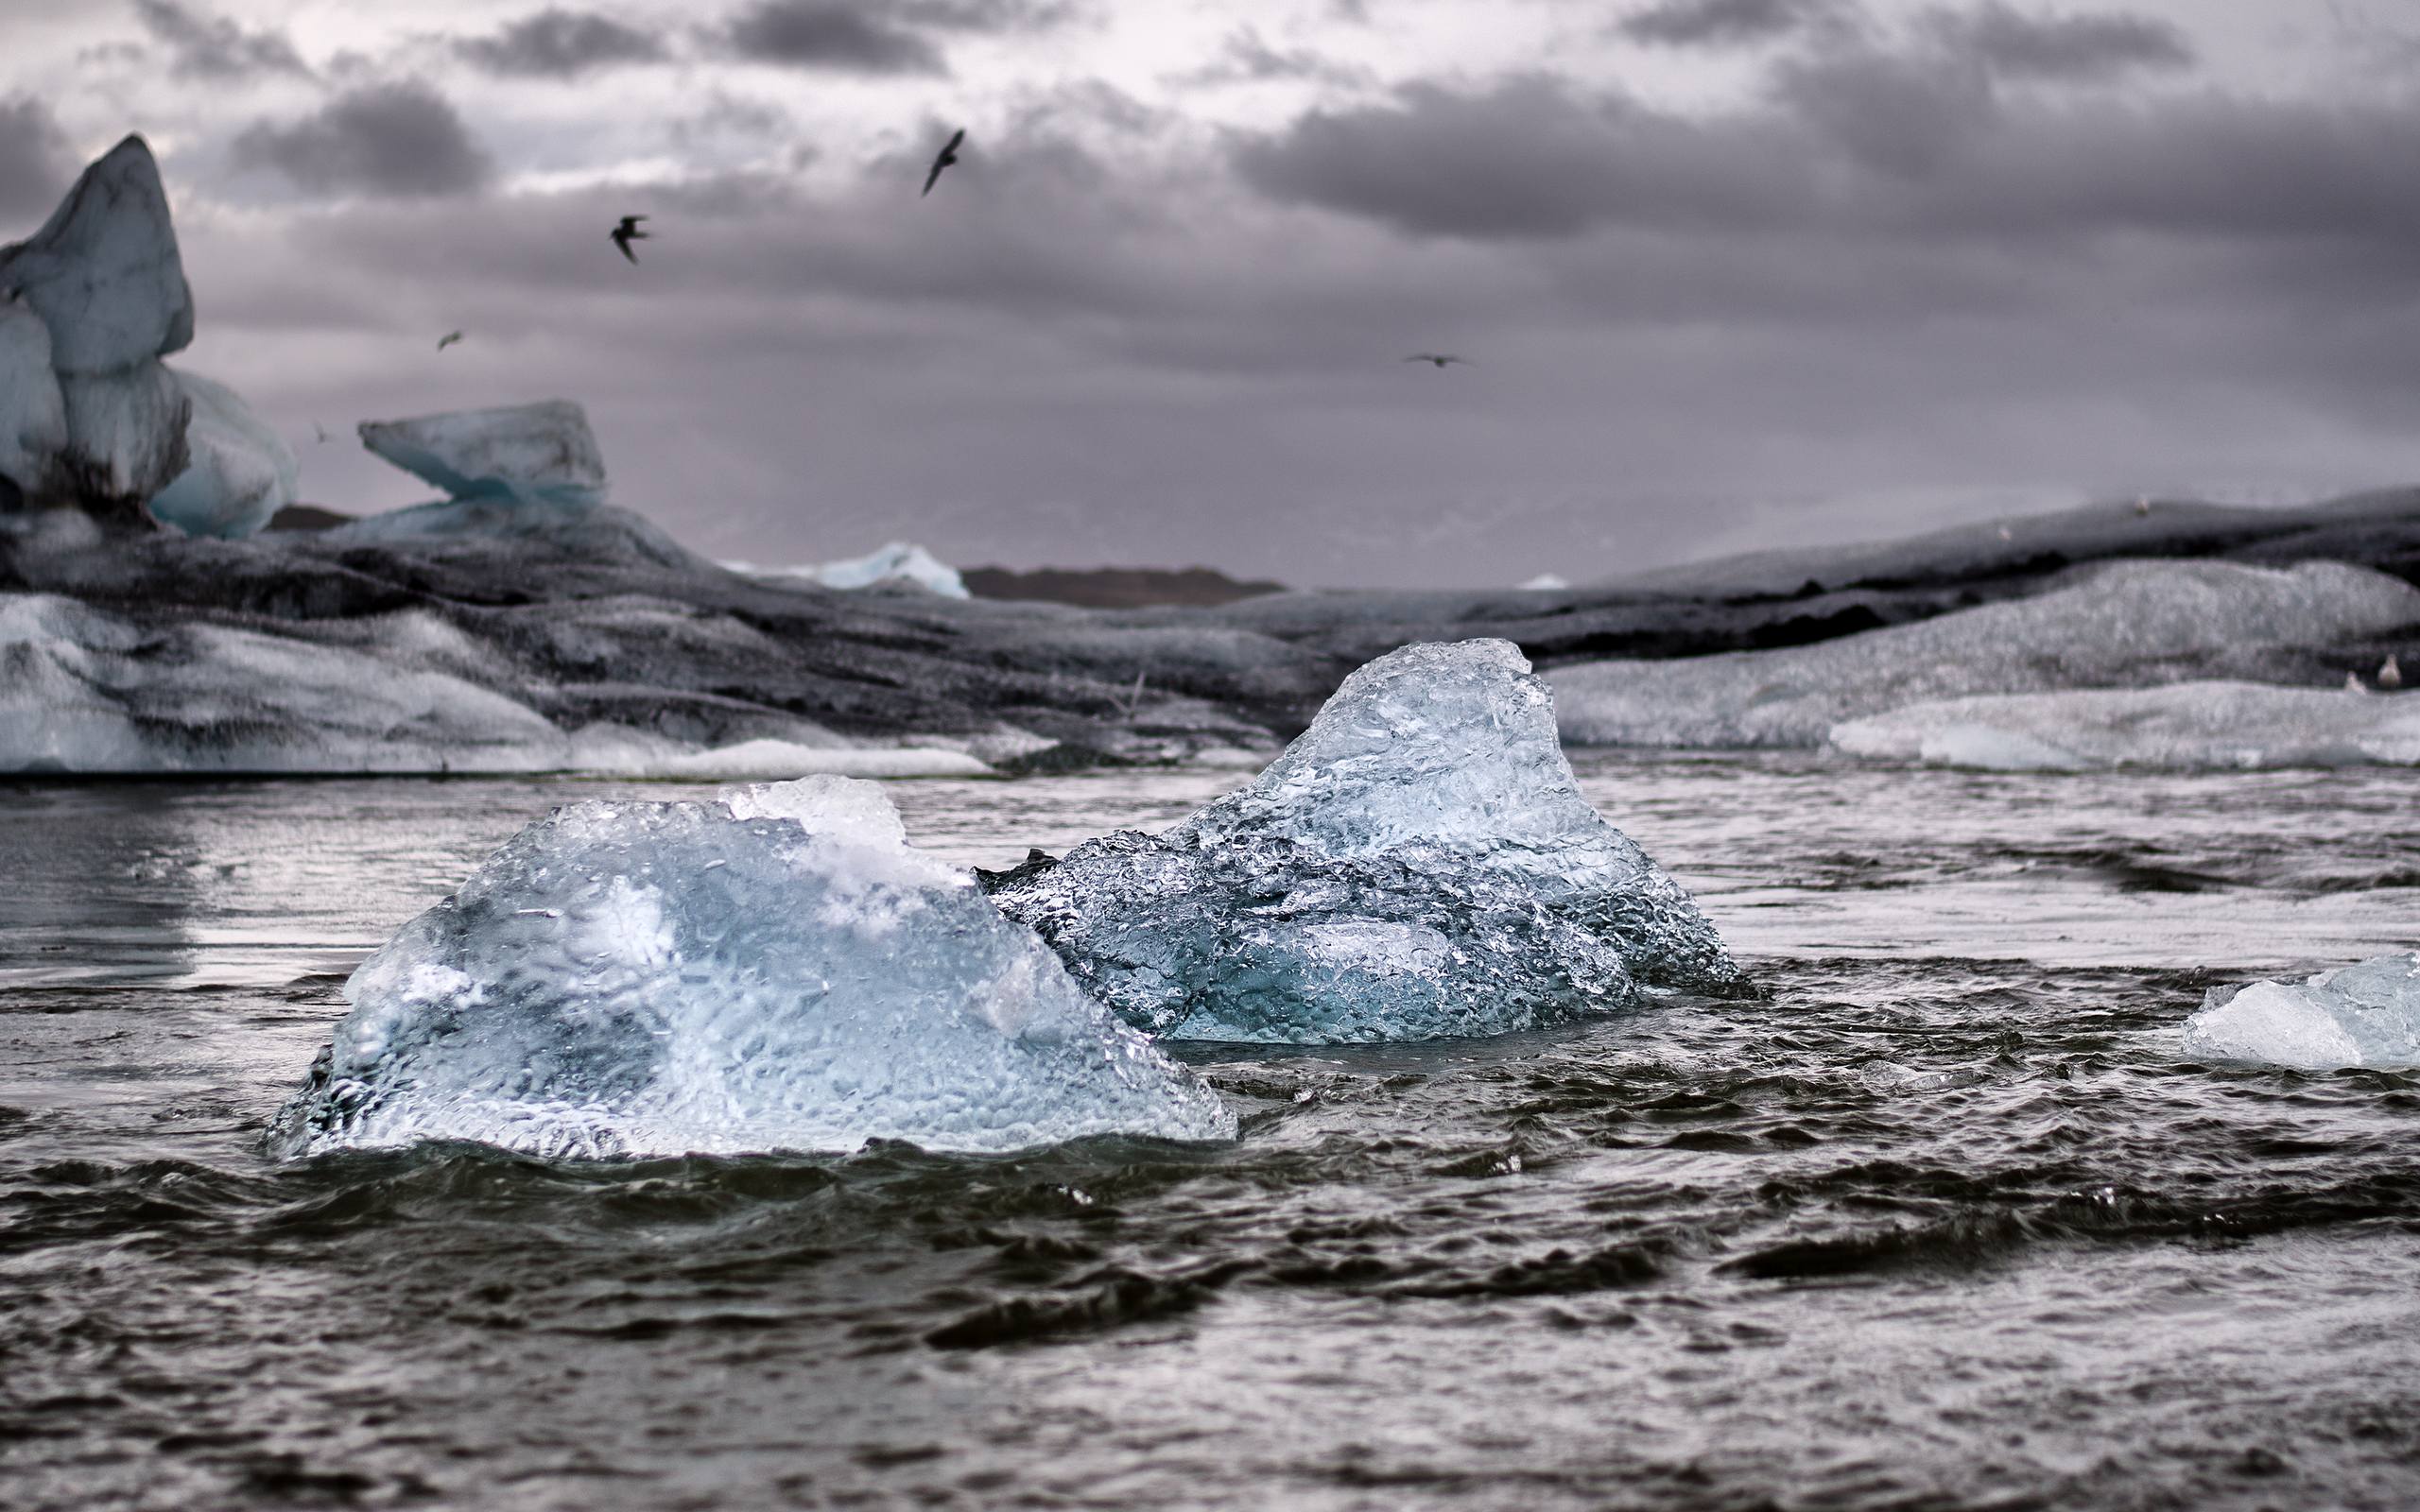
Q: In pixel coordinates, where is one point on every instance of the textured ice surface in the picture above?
(86, 690)
(775, 972)
(1418, 864)
(33, 414)
(2125, 625)
(2186, 725)
(103, 273)
(532, 452)
(126, 432)
(2365, 1015)
(238, 471)
(898, 563)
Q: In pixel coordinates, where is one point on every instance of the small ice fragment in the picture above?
(2364, 1015)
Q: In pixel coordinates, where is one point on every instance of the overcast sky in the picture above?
(1730, 272)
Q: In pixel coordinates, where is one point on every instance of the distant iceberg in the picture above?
(91, 691)
(2365, 1015)
(777, 971)
(1417, 864)
(542, 452)
(2131, 624)
(898, 563)
(2185, 725)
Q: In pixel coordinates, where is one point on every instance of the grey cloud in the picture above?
(828, 34)
(1247, 58)
(1529, 158)
(1724, 23)
(558, 43)
(201, 45)
(989, 15)
(398, 141)
(34, 164)
(2073, 48)
(1855, 143)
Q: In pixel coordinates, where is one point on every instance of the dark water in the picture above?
(1946, 1223)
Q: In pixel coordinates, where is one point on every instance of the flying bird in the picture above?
(448, 339)
(949, 155)
(1439, 359)
(627, 232)
(322, 430)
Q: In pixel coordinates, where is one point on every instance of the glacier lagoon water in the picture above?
(1952, 1220)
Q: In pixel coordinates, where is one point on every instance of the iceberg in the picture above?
(33, 412)
(126, 434)
(898, 563)
(104, 272)
(1418, 864)
(2184, 725)
(525, 454)
(775, 971)
(2365, 1015)
(91, 690)
(2131, 624)
(239, 471)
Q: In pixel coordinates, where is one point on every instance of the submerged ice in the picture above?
(2365, 1015)
(1418, 864)
(778, 971)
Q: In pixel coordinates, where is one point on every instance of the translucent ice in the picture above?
(1418, 864)
(2132, 624)
(2365, 1015)
(2186, 725)
(777, 971)
(525, 453)
(238, 472)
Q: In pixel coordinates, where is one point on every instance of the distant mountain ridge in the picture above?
(1117, 587)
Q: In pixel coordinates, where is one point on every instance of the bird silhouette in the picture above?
(322, 432)
(949, 155)
(1439, 359)
(448, 339)
(627, 232)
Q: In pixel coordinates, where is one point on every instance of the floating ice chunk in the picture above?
(2365, 1015)
(1546, 583)
(899, 563)
(2127, 623)
(126, 433)
(103, 273)
(2186, 725)
(542, 452)
(240, 471)
(1417, 864)
(773, 972)
(33, 414)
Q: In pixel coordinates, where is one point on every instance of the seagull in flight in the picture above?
(322, 430)
(949, 155)
(627, 232)
(1439, 359)
(448, 339)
